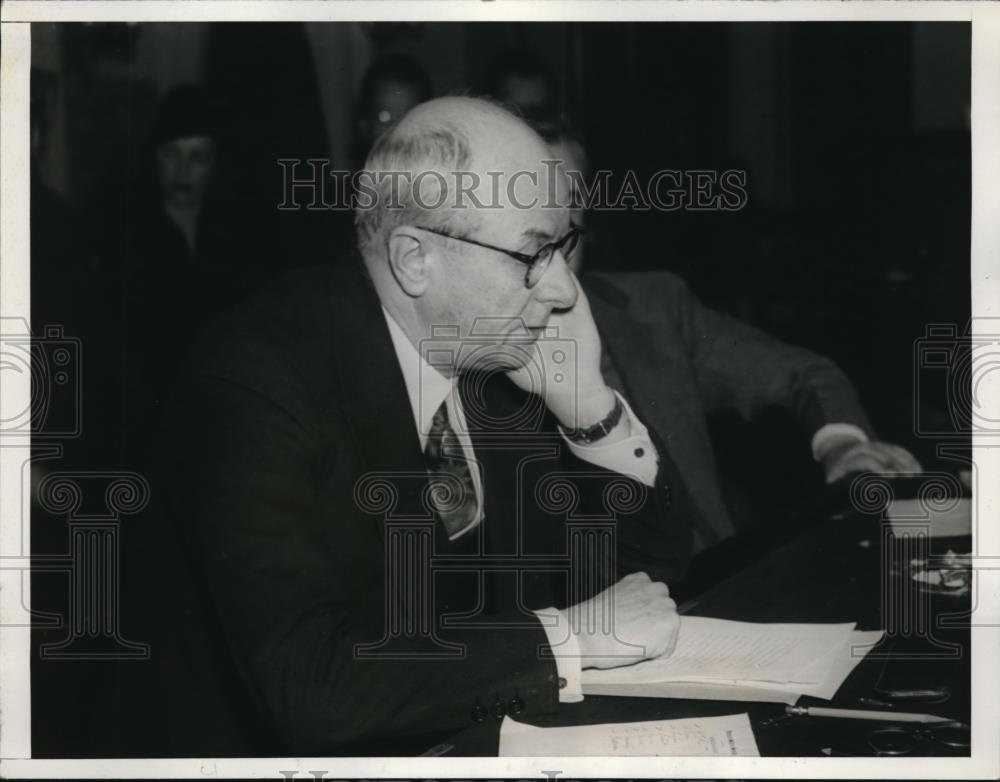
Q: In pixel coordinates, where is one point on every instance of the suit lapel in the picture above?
(374, 393)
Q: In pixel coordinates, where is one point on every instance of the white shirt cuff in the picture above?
(634, 456)
(825, 433)
(566, 650)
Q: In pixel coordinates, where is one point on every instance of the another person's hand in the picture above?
(566, 367)
(852, 456)
(630, 621)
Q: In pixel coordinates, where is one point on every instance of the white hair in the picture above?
(427, 157)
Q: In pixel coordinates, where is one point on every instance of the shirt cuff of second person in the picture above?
(634, 456)
(566, 650)
(826, 433)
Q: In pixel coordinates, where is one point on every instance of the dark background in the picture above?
(855, 236)
(854, 137)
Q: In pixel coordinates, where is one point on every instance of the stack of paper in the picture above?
(917, 517)
(704, 736)
(718, 659)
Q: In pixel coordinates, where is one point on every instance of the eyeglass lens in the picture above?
(902, 741)
(538, 268)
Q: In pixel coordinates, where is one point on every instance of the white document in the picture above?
(713, 649)
(702, 736)
(913, 516)
(838, 664)
(803, 667)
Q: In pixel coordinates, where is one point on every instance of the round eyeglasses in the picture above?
(537, 263)
(903, 741)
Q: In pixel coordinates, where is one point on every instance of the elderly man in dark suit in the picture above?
(680, 361)
(404, 483)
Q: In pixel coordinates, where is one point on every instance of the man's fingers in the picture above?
(671, 644)
(877, 457)
(659, 588)
(857, 461)
(890, 458)
(902, 459)
(869, 462)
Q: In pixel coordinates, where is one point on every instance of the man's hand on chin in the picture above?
(565, 368)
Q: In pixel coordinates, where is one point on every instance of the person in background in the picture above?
(392, 85)
(683, 362)
(185, 160)
(522, 79)
(186, 257)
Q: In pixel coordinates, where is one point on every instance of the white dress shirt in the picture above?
(825, 434)
(634, 455)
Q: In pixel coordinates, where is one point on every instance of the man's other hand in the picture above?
(630, 621)
(852, 456)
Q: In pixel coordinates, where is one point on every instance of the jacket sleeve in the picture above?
(651, 524)
(243, 461)
(742, 368)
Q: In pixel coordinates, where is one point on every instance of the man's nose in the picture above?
(557, 288)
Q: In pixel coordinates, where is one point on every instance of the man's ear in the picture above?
(408, 259)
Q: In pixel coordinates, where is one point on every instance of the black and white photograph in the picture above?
(499, 389)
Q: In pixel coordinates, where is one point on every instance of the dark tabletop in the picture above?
(846, 568)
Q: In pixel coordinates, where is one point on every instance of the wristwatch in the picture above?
(600, 430)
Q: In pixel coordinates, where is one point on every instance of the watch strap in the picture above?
(600, 430)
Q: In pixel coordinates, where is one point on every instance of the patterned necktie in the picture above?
(452, 493)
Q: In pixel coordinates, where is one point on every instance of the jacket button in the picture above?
(516, 706)
(497, 709)
(479, 714)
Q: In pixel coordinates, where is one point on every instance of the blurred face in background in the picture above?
(185, 168)
(528, 93)
(390, 100)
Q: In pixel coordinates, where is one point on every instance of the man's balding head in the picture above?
(464, 207)
(497, 134)
(434, 168)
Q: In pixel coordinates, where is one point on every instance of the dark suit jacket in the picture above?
(295, 477)
(680, 361)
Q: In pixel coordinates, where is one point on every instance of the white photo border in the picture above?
(15, 703)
